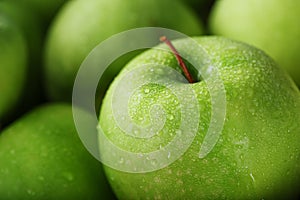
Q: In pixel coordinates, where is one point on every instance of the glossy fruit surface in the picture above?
(74, 35)
(257, 154)
(271, 25)
(42, 157)
(13, 62)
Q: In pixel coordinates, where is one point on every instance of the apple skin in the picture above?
(13, 62)
(46, 9)
(31, 27)
(42, 157)
(29, 24)
(73, 36)
(271, 25)
(257, 155)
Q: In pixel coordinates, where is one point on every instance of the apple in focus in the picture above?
(257, 154)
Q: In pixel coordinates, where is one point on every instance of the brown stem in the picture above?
(178, 58)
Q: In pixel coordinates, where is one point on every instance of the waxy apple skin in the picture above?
(257, 154)
(42, 157)
(46, 9)
(13, 60)
(271, 25)
(73, 36)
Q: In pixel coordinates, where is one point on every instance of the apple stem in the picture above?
(178, 58)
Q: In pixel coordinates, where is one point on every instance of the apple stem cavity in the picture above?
(178, 58)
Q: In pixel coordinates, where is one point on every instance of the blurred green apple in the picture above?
(202, 9)
(74, 35)
(29, 24)
(13, 62)
(257, 154)
(272, 25)
(45, 8)
(32, 29)
(42, 157)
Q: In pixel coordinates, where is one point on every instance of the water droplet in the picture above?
(121, 161)
(140, 155)
(30, 192)
(154, 162)
(157, 179)
(136, 132)
(169, 155)
(146, 91)
(242, 157)
(68, 176)
(178, 132)
(252, 177)
(171, 117)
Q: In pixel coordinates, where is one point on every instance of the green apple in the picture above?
(46, 8)
(31, 28)
(257, 154)
(13, 61)
(28, 23)
(73, 36)
(193, 2)
(42, 157)
(272, 25)
(201, 7)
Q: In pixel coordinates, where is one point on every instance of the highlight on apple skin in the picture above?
(73, 36)
(271, 25)
(257, 154)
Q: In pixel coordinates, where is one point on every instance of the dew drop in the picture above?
(242, 157)
(146, 91)
(30, 192)
(169, 155)
(68, 176)
(136, 132)
(178, 132)
(252, 177)
(121, 161)
(154, 162)
(171, 117)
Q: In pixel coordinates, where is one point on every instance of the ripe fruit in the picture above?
(46, 9)
(271, 25)
(31, 27)
(73, 36)
(13, 60)
(257, 154)
(42, 157)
